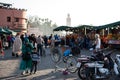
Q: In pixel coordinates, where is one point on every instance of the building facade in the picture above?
(13, 18)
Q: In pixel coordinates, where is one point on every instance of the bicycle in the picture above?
(68, 58)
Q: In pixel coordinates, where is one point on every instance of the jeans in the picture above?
(39, 49)
(34, 66)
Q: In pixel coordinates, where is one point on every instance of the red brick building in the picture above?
(13, 18)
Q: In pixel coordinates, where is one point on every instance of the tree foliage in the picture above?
(44, 24)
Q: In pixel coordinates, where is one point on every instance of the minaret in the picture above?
(68, 20)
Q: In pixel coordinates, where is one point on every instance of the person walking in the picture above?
(45, 41)
(1, 49)
(9, 40)
(26, 62)
(39, 42)
(35, 59)
(17, 45)
(97, 42)
(52, 41)
(12, 40)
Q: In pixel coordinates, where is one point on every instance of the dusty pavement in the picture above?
(9, 69)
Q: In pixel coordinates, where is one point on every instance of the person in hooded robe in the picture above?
(26, 64)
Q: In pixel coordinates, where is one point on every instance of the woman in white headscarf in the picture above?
(97, 42)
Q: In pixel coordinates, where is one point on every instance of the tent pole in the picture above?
(108, 30)
(103, 32)
(65, 37)
(85, 30)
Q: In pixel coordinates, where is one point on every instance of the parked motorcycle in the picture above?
(96, 67)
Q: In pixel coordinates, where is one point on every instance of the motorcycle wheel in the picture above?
(71, 64)
(81, 72)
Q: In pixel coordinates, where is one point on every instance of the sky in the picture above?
(82, 12)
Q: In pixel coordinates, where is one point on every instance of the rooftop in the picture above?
(5, 4)
(9, 6)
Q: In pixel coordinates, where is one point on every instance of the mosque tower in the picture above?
(68, 20)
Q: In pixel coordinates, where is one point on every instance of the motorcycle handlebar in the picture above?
(101, 50)
(101, 55)
(110, 52)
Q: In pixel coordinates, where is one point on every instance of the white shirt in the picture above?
(98, 43)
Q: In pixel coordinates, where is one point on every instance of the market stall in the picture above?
(61, 28)
(111, 34)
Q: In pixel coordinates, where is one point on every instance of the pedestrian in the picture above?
(1, 49)
(45, 41)
(2, 53)
(12, 40)
(39, 41)
(26, 62)
(17, 46)
(35, 59)
(49, 40)
(9, 40)
(52, 41)
(97, 42)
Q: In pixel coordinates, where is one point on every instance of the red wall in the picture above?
(13, 13)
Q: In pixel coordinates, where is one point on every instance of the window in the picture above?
(8, 19)
(16, 19)
(26, 20)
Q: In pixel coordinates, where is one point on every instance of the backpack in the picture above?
(26, 56)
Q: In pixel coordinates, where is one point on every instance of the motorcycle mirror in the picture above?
(105, 58)
(91, 49)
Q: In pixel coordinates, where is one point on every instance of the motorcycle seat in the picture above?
(100, 62)
(94, 64)
(83, 59)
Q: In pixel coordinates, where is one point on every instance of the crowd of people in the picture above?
(32, 46)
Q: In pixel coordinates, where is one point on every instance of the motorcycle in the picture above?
(96, 67)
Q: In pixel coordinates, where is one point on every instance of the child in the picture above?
(35, 59)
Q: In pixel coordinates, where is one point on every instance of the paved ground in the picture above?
(9, 69)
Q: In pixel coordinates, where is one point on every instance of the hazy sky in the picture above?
(88, 12)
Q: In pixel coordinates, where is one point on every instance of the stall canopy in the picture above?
(88, 27)
(62, 28)
(10, 31)
(84, 26)
(111, 25)
(2, 31)
(7, 31)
